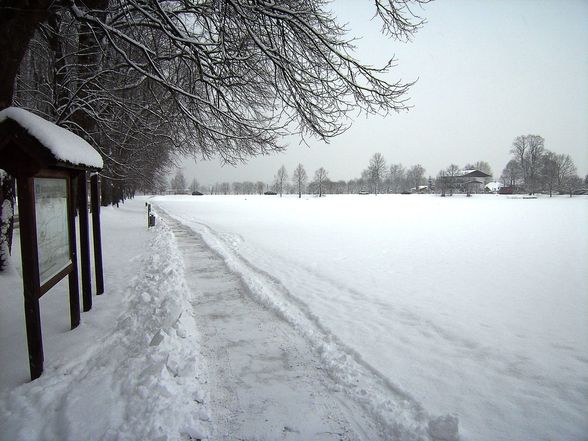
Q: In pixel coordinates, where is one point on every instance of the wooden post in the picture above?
(96, 234)
(30, 274)
(74, 289)
(84, 240)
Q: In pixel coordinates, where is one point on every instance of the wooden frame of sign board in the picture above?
(49, 192)
(33, 286)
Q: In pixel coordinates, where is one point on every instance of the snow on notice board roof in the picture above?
(63, 144)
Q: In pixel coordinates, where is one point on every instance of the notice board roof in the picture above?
(31, 138)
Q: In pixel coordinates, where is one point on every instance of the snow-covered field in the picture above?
(419, 309)
(476, 307)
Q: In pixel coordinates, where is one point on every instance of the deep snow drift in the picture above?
(470, 306)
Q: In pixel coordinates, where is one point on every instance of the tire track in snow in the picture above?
(266, 383)
(513, 367)
(506, 367)
(402, 416)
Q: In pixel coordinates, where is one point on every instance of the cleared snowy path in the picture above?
(266, 382)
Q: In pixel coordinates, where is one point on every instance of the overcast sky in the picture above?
(487, 72)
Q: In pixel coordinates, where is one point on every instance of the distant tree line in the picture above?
(532, 168)
(376, 178)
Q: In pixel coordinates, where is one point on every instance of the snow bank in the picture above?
(63, 144)
(144, 380)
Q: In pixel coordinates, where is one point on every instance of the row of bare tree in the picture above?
(376, 178)
(146, 81)
(533, 168)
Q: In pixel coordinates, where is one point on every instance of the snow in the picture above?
(408, 317)
(444, 428)
(494, 186)
(266, 382)
(132, 363)
(6, 214)
(63, 144)
(472, 308)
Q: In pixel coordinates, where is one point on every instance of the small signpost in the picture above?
(51, 165)
(150, 216)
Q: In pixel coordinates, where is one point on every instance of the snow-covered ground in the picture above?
(266, 381)
(476, 307)
(131, 371)
(393, 315)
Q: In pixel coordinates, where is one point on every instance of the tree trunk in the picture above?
(18, 21)
(88, 56)
(60, 97)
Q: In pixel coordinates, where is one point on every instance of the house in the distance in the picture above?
(465, 181)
